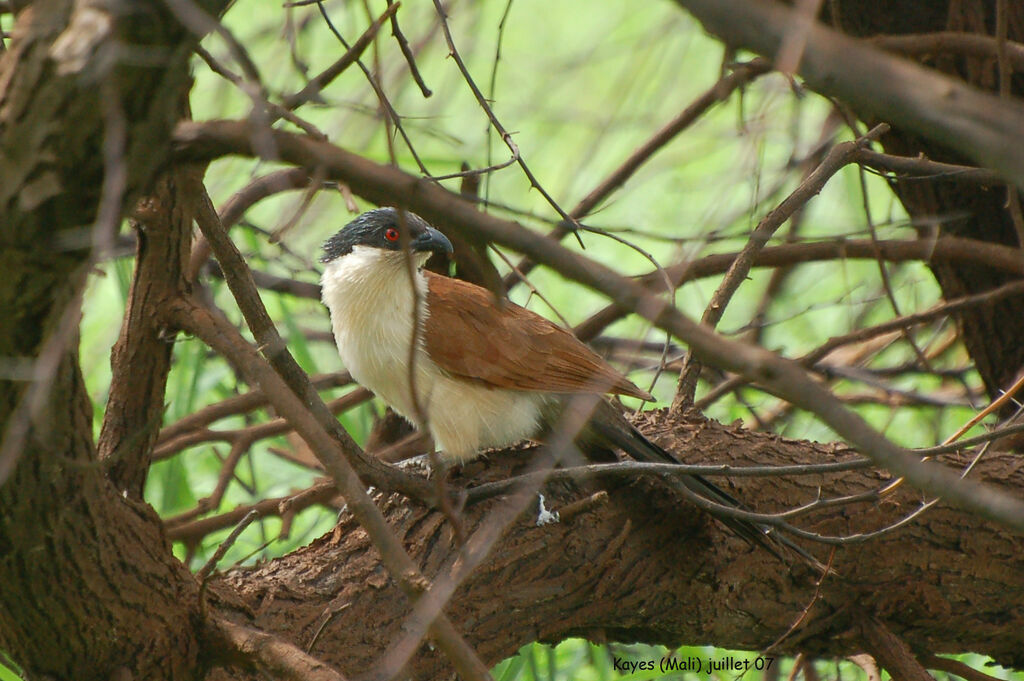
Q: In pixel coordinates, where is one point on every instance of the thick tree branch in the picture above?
(891, 653)
(65, 95)
(202, 141)
(898, 91)
(141, 358)
(641, 566)
(226, 340)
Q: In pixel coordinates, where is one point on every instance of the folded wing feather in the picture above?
(468, 334)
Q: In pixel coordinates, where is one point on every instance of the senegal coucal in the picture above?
(487, 374)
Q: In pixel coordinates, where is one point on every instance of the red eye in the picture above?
(391, 234)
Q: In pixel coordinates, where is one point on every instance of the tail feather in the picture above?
(617, 431)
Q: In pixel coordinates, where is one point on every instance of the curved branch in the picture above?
(639, 565)
(959, 116)
(202, 141)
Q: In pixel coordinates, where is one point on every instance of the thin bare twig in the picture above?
(239, 404)
(410, 58)
(915, 168)
(385, 103)
(505, 135)
(719, 92)
(204, 572)
(274, 655)
(316, 85)
(192, 531)
(837, 158)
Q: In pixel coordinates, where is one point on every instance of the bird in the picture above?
(473, 371)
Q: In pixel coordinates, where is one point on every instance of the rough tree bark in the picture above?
(642, 567)
(90, 585)
(90, 588)
(992, 334)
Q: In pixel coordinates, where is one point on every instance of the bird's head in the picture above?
(377, 235)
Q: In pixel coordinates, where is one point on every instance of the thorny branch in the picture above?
(837, 158)
(787, 379)
(319, 428)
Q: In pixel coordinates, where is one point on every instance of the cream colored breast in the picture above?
(371, 305)
(371, 301)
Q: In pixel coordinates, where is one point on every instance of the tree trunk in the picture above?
(991, 333)
(91, 589)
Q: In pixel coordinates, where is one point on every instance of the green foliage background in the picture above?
(581, 84)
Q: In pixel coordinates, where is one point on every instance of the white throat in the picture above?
(370, 296)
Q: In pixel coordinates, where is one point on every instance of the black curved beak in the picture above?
(432, 240)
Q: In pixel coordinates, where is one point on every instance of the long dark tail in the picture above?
(611, 428)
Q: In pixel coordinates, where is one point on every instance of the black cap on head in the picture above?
(379, 228)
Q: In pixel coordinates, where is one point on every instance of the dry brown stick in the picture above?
(254, 433)
(220, 335)
(240, 404)
(891, 653)
(375, 182)
(270, 654)
(910, 168)
(944, 249)
(210, 565)
(193, 531)
(883, 270)
(227, 471)
(779, 277)
(836, 159)
(1006, 290)
(955, 667)
(968, 44)
(410, 58)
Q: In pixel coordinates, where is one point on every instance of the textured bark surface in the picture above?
(90, 586)
(141, 358)
(992, 334)
(647, 567)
